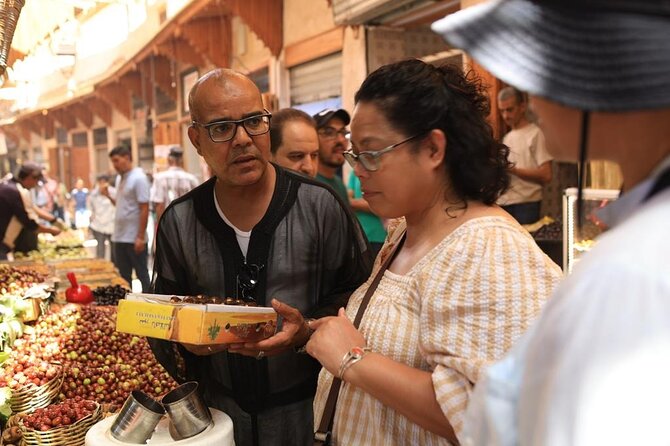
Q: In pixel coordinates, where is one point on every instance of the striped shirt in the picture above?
(172, 184)
(459, 308)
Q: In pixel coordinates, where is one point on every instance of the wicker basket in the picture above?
(9, 14)
(71, 435)
(31, 397)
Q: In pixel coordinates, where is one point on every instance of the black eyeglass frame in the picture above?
(267, 115)
(369, 159)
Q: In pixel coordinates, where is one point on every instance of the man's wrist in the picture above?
(300, 347)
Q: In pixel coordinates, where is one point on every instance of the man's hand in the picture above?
(205, 350)
(294, 332)
(53, 230)
(140, 245)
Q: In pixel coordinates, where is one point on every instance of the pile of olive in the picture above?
(109, 295)
(202, 299)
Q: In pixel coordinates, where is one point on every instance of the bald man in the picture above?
(261, 234)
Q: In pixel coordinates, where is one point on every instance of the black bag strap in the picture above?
(324, 433)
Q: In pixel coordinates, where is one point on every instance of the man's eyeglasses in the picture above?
(332, 133)
(222, 131)
(370, 159)
(247, 279)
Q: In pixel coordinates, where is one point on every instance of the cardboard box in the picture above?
(153, 315)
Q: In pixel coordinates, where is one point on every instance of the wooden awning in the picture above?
(200, 35)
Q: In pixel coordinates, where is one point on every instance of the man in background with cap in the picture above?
(171, 183)
(528, 153)
(594, 368)
(331, 127)
(18, 213)
(294, 142)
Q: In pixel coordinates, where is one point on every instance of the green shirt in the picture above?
(372, 225)
(337, 184)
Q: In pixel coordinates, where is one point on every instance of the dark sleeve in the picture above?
(168, 273)
(348, 259)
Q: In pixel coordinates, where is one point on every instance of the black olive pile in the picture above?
(552, 231)
(203, 300)
(109, 295)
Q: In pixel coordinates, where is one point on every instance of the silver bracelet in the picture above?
(350, 358)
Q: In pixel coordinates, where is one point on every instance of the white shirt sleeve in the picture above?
(540, 149)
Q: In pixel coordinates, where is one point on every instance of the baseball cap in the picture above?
(326, 115)
(176, 152)
(30, 169)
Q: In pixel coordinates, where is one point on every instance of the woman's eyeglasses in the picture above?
(247, 279)
(370, 159)
(223, 131)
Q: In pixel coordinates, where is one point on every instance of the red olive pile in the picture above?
(99, 363)
(18, 374)
(62, 414)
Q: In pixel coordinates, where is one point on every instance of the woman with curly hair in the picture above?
(460, 280)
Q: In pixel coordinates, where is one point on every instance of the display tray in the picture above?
(153, 315)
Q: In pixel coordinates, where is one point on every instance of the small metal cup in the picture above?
(187, 412)
(137, 419)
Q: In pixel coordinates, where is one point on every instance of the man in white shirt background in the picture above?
(531, 168)
(171, 183)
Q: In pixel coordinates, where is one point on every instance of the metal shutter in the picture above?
(316, 80)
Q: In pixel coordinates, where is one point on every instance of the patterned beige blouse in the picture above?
(459, 308)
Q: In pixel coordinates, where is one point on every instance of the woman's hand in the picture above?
(333, 337)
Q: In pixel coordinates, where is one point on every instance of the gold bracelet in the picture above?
(350, 358)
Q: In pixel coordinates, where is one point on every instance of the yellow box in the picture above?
(153, 315)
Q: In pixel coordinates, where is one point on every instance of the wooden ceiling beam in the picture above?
(212, 37)
(163, 76)
(99, 108)
(64, 118)
(29, 125)
(264, 18)
(82, 113)
(135, 84)
(116, 96)
(180, 50)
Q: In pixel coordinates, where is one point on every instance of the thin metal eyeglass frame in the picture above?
(237, 123)
(373, 155)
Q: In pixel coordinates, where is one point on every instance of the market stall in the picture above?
(64, 366)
